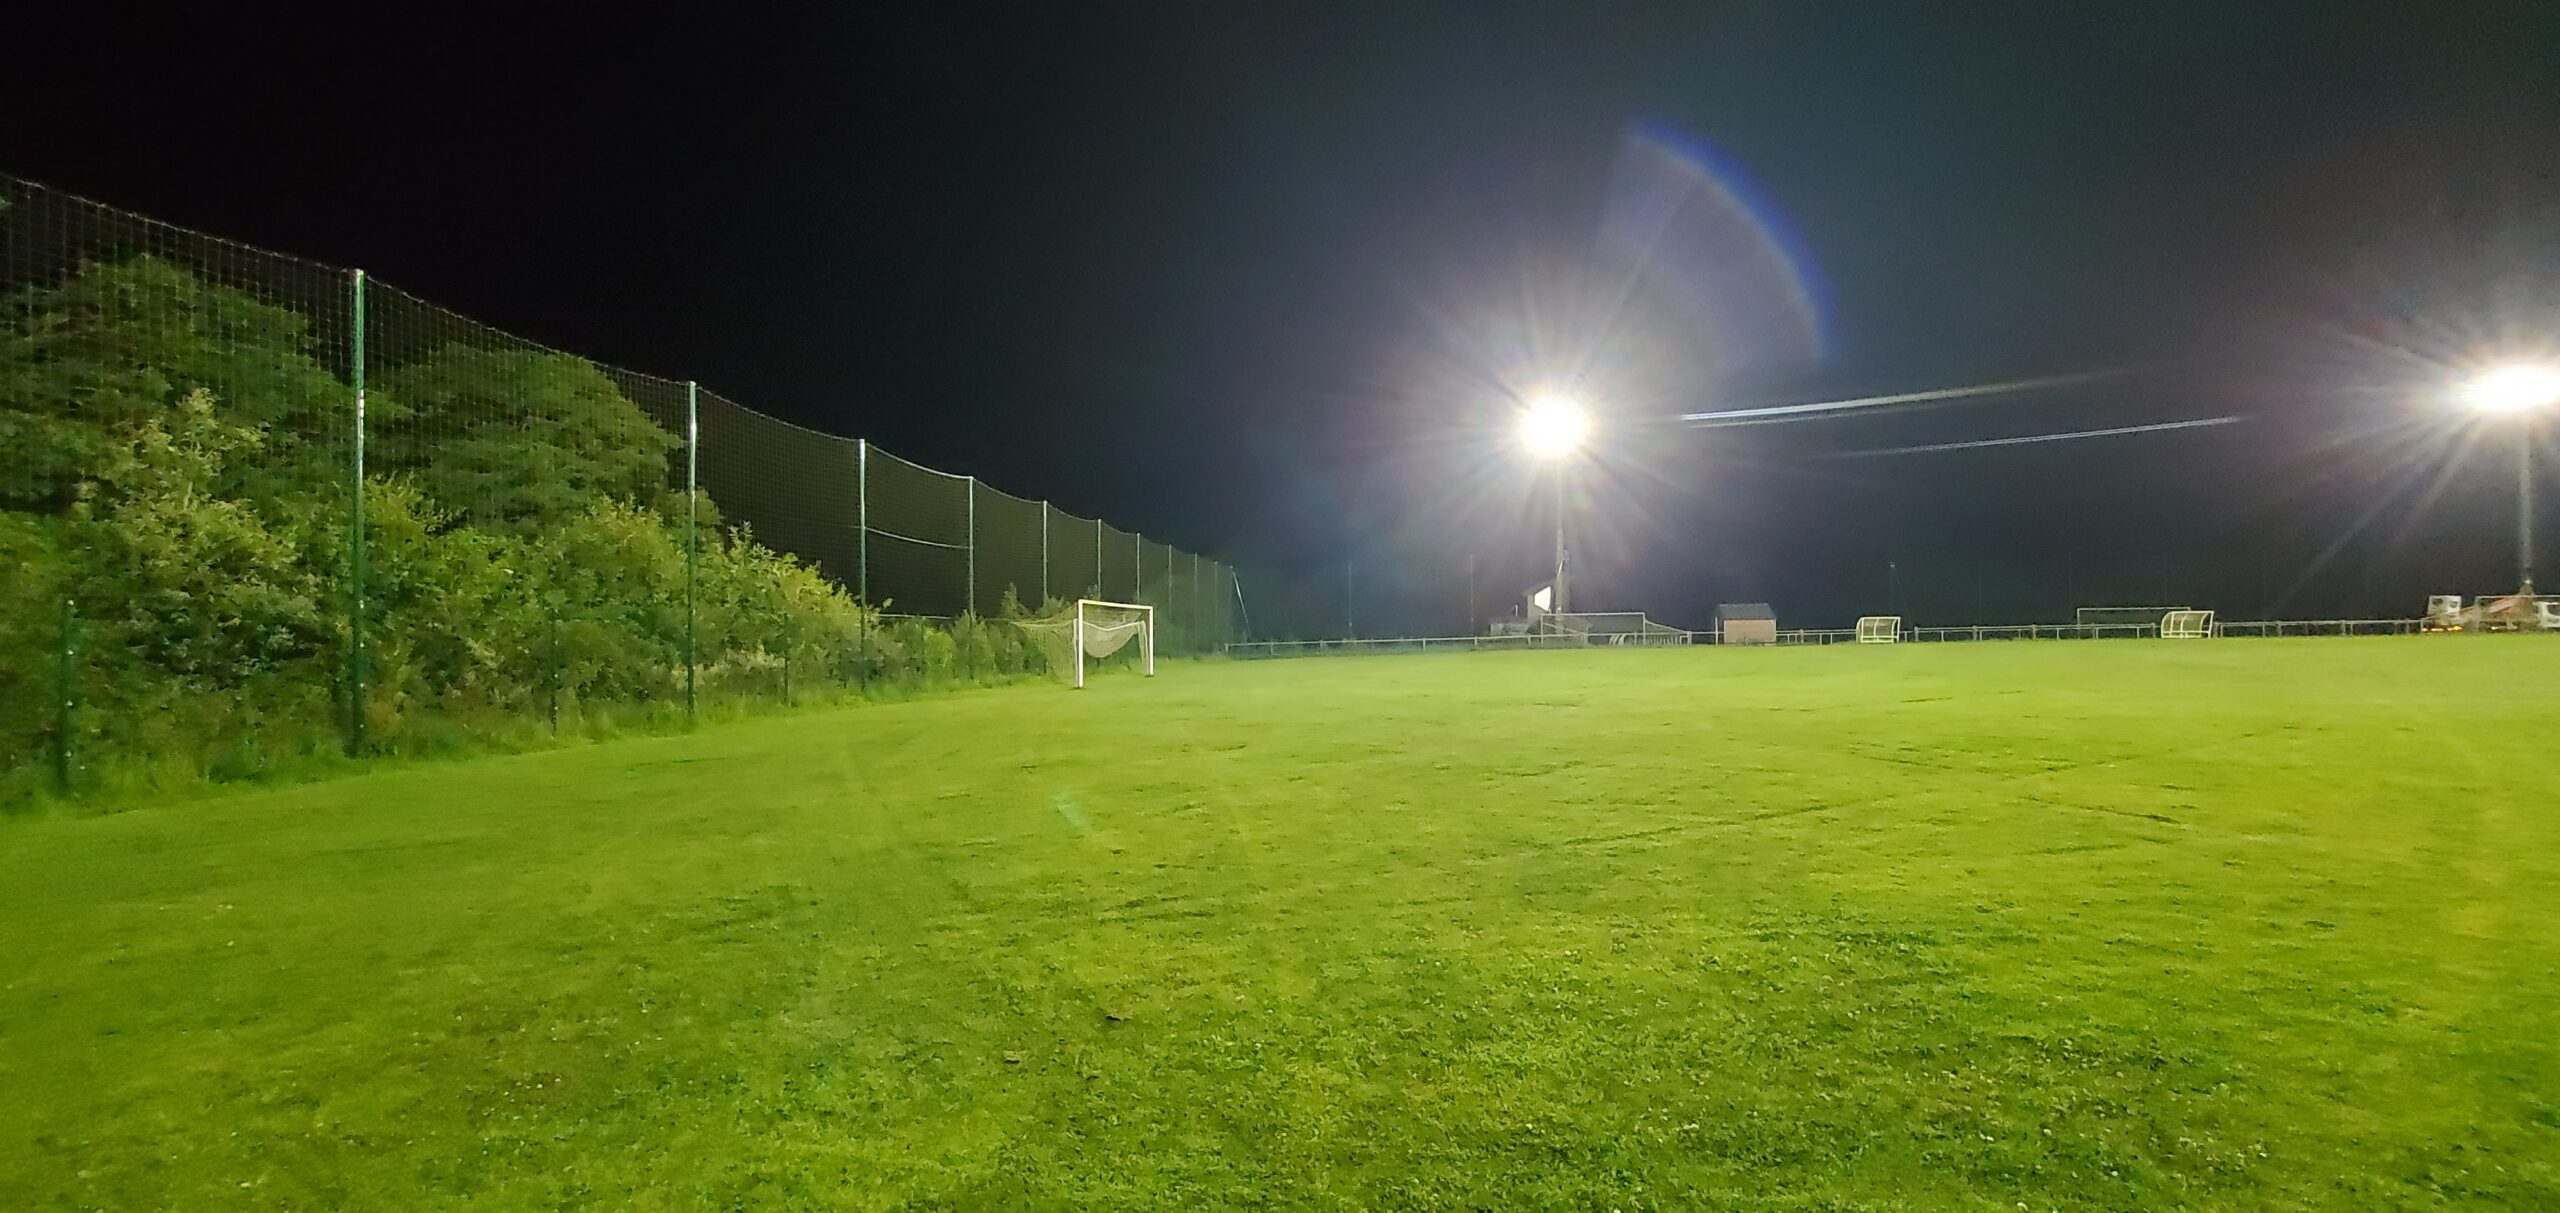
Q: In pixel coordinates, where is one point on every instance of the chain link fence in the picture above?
(255, 508)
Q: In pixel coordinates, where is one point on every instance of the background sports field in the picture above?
(2232, 924)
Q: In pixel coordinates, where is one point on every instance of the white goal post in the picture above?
(1096, 629)
(2186, 625)
(1879, 629)
(2119, 616)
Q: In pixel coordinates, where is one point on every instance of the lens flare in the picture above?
(2513, 389)
(1554, 425)
(2118, 431)
(1686, 222)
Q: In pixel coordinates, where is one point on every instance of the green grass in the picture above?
(2235, 924)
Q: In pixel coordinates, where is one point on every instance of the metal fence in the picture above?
(2322, 627)
(1407, 644)
(252, 505)
(1822, 636)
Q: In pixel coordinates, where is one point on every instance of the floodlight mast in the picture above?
(2522, 391)
(1563, 570)
(1553, 429)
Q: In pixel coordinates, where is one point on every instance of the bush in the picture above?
(173, 459)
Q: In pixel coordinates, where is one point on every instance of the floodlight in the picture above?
(1554, 426)
(2519, 388)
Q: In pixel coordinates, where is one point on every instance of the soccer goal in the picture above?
(2101, 622)
(2186, 625)
(1879, 629)
(2119, 616)
(1093, 630)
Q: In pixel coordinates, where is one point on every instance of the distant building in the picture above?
(1536, 603)
(1747, 623)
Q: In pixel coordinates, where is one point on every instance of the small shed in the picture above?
(1746, 623)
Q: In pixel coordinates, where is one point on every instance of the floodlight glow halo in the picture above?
(1554, 425)
(2515, 388)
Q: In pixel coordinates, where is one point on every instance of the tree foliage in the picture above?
(85, 362)
(518, 440)
(175, 459)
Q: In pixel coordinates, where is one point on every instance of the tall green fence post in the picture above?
(973, 546)
(66, 697)
(355, 528)
(551, 673)
(862, 560)
(1043, 597)
(862, 513)
(692, 525)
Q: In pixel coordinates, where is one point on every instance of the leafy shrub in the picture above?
(521, 440)
(173, 458)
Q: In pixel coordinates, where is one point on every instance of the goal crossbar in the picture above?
(1100, 639)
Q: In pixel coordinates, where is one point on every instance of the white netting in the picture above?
(1107, 629)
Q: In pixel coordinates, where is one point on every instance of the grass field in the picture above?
(2109, 925)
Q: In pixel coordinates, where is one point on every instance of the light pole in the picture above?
(2519, 391)
(1553, 429)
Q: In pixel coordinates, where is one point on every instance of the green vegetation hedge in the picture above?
(175, 459)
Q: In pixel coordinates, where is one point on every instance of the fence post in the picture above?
(971, 597)
(1038, 602)
(862, 563)
(862, 512)
(1235, 582)
(551, 675)
(66, 697)
(355, 526)
(692, 526)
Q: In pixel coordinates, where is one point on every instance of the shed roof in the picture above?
(1744, 610)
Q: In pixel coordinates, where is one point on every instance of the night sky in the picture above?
(1263, 280)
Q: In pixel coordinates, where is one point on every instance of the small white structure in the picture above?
(1879, 629)
(2186, 625)
(1746, 623)
(1536, 604)
(2518, 612)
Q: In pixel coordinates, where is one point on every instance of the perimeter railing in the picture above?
(1659, 636)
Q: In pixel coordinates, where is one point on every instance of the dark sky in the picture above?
(1196, 267)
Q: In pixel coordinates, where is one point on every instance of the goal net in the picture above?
(1879, 629)
(1093, 630)
(2120, 616)
(2186, 625)
(1611, 627)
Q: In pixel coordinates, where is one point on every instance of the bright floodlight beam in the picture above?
(1553, 427)
(2519, 390)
